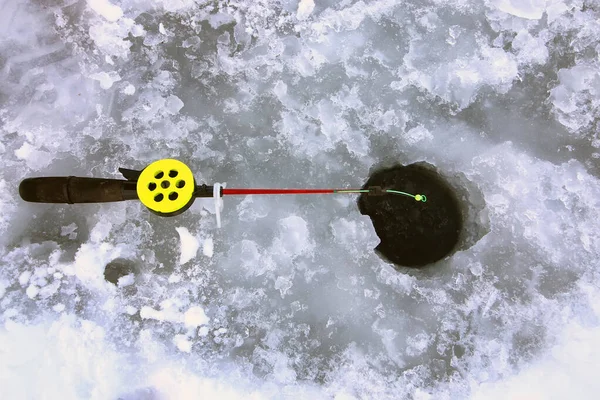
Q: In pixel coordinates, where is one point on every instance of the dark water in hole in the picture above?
(413, 233)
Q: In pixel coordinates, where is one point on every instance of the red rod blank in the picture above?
(230, 192)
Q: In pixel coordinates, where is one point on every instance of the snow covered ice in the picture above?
(287, 299)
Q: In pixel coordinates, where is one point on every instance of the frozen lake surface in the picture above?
(288, 299)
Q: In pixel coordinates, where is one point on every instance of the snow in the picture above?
(90, 261)
(566, 371)
(188, 246)
(288, 298)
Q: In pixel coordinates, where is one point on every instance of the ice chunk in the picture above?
(283, 285)
(129, 89)
(476, 268)
(177, 5)
(100, 231)
(59, 307)
(283, 373)
(385, 120)
(453, 33)
(418, 344)
(126, 280)
(203, 331)
(280, 90)
(188, 246)
(32, 291)
(173, 105)
(168, 314)
(344, 396)
(220, 19)
(195, 316)
(576, 99)
(459, 80)
(355, 236)
(294, 236)
(24, 277)
(182, 343)
(418, 134)
(49, 290)
(208, 248)
(530, 9)
(34, 158)
(555, 8)
(250, 257)
(106, 79)
(224, 39)
(106, 9)
(138, 30)
(69, 231)
(305, 7)
(109, 36)
(531, 50)
(252, 208)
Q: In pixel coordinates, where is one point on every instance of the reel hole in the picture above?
(173, 196)
(159, 197)
(165, 184)
(173, 173)
(180, 184)
(152, 186)
(159, 174)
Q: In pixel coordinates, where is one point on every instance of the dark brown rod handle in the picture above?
(73, 189)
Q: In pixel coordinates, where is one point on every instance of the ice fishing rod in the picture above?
(166, 187)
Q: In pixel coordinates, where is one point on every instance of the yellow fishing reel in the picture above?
(166, 187)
